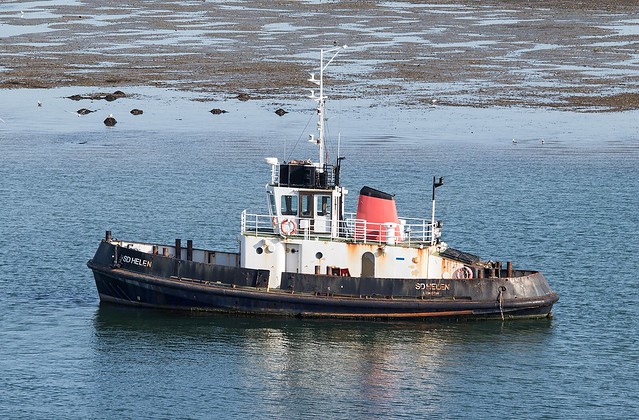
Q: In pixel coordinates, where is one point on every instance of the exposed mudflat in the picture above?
(570, 55)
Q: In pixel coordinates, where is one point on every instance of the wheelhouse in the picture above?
(305, 198)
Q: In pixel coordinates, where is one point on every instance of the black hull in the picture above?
(207, 287)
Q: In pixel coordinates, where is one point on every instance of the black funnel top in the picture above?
(372, 192)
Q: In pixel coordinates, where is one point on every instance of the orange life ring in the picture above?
(463, 273)
(288, 227)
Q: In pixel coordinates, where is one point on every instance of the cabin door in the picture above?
(292, 258)
(306, 213)
(323, 208)
(368, 265)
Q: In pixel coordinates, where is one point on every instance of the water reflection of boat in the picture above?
(308, 257)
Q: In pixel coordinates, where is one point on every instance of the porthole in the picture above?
(259, 250)
(319, 255)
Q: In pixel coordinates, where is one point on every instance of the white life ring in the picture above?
(463, 273)
(288, 227)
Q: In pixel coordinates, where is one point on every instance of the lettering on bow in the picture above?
(136, 261)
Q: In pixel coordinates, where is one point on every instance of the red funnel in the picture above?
(375, 208)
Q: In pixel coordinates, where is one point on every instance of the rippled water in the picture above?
(567, 207)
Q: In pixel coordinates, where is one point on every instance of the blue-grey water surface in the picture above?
(567, 207)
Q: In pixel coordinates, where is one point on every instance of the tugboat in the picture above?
(308, 257)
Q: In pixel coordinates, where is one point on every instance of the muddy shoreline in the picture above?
(565, 55)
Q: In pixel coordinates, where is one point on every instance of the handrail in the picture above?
(410, 231)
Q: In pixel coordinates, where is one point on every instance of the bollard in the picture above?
(107, 236)
(165, 252)
(189, 250)
(178, 249)
(155, 250)
(509, 269)
(317, 269)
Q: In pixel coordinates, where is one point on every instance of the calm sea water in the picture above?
(567, 207)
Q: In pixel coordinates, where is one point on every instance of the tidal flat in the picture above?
(579, 56)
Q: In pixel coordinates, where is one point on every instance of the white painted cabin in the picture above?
(307, 231)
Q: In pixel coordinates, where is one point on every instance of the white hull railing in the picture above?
(410, 231)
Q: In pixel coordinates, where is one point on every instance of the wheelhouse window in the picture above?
(271, 203)
(306, 205)
(289, 205)
(324, 205)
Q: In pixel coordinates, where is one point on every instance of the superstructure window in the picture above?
(324, 205)
(306, 205)
(271, 203)
(289, 205)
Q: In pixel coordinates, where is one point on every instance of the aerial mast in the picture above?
(321, 101)
(436, 184)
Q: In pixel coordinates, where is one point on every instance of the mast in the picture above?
(436, 184)
(321, 104)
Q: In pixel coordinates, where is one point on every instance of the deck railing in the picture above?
(408, 232)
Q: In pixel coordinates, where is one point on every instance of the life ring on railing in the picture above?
(274, 220)
(463, 273)
(288, 227)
